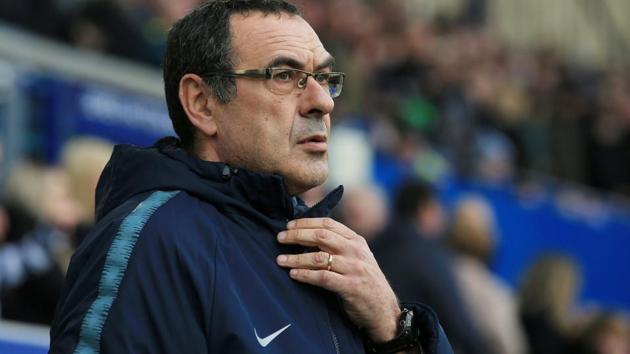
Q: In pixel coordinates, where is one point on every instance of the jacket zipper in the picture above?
(332, 332)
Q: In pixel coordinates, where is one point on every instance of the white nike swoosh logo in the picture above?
(265, 341)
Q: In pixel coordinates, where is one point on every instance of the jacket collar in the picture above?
(266, 193)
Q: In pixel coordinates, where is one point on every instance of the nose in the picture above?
(315, 101)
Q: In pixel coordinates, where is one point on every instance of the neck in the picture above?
(205, 152)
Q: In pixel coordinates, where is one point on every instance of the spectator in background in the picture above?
(364, 209)
(606, 333)
(36, 249)
(171, 11)
(547, 297)
(4, 224)
(48, 212)
(420, 267)
(489, 299)
(43, 17)
(134, 30)
(83, 160)
(610, 136)
(104, 26)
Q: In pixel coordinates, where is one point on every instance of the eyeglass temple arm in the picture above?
(256, 73)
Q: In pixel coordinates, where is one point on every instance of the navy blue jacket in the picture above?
(182, 260)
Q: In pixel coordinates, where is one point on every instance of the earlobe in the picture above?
(197, 103)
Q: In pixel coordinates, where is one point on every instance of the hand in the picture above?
(354, 274)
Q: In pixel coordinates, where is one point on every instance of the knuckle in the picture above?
(325, 278)
(364, 269)
(298, 259)
(358, 267)
(328, 222)
(361, 268)
(320, 257)
(368, 258)
(321, 234)
(352, 266)
(363, 256)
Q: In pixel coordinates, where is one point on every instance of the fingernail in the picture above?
(290, 224)
(293, 273)
(282, 235)
(282, 259)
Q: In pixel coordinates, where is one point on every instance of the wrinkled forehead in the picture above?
(259, 40)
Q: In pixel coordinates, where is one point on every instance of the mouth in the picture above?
(315, 143)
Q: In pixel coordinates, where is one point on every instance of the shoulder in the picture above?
(152, 251)
(179, 219)
(161, 229)
(170, 228)
(151, 275)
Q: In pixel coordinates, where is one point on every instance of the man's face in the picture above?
(267, 132)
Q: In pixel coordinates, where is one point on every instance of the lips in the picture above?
(315, 143)
(317, 138)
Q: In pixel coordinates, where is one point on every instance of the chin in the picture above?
(306, 178)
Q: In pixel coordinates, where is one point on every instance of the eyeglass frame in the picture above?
(267, 73)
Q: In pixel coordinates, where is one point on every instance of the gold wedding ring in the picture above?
(330, 261)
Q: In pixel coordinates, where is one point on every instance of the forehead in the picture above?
(258, 39)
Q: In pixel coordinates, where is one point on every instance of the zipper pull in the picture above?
(226, 173)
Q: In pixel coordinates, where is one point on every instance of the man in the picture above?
(201, 246)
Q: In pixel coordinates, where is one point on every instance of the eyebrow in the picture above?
(328, 63)
(290, 62)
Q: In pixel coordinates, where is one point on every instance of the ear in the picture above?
(198, 103)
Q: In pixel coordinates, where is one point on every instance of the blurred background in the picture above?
(484, 146)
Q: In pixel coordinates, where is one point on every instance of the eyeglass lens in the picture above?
(284, 81)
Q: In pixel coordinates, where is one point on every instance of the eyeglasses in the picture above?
(283, 81)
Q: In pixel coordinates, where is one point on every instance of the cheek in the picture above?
(281, 121)
(271, 136)
(266, 121)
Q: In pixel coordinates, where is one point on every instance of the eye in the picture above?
(283, 75)
(322, 78)
(334, 79)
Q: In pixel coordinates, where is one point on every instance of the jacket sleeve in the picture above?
(165, 299)
(164, 293)
(432, 336)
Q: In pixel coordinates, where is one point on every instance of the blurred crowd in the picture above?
(489, 109)
(442, 257)
(132, 29)
(432, 99)
(45, 212)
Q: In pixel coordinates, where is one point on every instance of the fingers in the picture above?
(328, 280)
(354, 274)
(322, 223)
(323, 239)
(314, 261)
